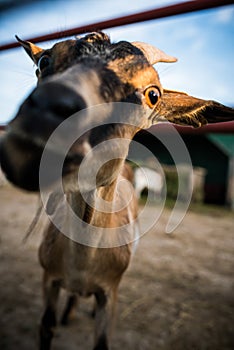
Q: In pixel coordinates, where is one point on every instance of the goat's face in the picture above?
(77, 74)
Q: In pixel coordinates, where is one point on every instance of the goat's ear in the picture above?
(180, 108)
(32, 50)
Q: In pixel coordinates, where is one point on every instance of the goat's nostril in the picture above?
(59, 99)
(68, 105)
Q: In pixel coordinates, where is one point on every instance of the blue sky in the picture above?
(202, 41)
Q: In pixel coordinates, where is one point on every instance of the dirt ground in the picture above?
(177, 294)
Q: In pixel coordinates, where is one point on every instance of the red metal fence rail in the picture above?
(167, 11)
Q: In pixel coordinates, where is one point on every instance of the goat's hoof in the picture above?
(46, 336)
(93, 313)
(102, 344)
(64, 321)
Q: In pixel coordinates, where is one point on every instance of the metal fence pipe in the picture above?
(167, 11)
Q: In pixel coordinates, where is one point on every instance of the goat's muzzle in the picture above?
(22, 146)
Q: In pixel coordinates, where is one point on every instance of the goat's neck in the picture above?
(109, 191)
(87, 205)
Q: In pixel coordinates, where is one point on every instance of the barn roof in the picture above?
(225, 142)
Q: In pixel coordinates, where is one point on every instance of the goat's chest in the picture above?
(88, 269)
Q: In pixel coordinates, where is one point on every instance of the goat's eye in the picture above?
(152, 95)
(43, 62)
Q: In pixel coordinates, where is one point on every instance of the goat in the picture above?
(76, 75)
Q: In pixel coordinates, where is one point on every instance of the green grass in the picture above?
(199, 208)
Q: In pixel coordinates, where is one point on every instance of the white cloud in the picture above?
(225, 15)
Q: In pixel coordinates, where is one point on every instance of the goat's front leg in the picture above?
(69, 309)
(104, 316)
(51, 293)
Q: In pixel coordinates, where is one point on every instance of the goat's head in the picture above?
(76, 74)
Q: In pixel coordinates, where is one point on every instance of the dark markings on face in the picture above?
(95, 50)
(115, 64)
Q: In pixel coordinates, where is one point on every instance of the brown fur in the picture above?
(83, 270)
(89, 71)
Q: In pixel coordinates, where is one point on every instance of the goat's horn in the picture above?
(153, 54)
